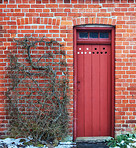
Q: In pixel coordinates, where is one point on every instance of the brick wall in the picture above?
(55, 19)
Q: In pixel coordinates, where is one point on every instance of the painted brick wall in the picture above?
(55, 19)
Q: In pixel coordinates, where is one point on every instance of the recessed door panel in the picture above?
(93, 90)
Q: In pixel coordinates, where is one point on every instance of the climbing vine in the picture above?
(38, 92)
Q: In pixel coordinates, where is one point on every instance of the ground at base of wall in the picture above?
(15, 143)
(12, 143)
(19, 143)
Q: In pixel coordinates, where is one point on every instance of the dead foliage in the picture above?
(38, 92)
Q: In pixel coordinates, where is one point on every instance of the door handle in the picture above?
(78, 81)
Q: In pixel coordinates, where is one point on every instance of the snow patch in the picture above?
(13, 143)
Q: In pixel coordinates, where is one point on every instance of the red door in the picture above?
(93, 109)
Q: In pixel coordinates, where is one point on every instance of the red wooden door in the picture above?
(93, 90)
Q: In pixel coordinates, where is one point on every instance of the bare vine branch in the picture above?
(38, 95)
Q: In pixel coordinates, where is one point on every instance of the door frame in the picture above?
(112, 29)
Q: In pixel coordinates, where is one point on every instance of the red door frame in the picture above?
(112, 29)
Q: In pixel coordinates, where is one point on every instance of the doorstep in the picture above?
(100, 139)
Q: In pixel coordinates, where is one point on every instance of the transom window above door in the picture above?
(93, 35)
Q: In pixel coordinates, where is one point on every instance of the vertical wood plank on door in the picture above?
(95, 91)
(103, 90)
(87, 89)
(109, 107)
(80, 89)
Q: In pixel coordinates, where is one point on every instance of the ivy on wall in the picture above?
(38, 92)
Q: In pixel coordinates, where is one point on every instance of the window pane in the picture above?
(66, 1)
(93, 34)
(104, 35)
(83, 34)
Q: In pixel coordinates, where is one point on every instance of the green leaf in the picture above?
(40, 145)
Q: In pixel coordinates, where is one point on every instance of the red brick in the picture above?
(89, 14)
(123, 5)
(131, 121)
(27, 31)
(65, 5)
(80, 6)
(51, 5)
(41, 31)
(117, 14)
(38, 1)
(60, 14)
(11, 23)
(53, 31)
(131, 22)
(23, 6)
(32, 14)
(37, 6)
(46, 14)
(94, 6)
(104, 14)
(2, 6)
(11, 6)
(18, 14)
(75, 14)
(109, 5)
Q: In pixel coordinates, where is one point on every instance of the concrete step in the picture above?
(100, 139)
(88, 145)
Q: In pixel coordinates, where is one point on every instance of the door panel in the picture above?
(80, 90)
(87, 89)
(94, 90)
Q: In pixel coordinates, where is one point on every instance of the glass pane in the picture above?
(66, 1)
(83, 34)
(93, 34)
(104, 35)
